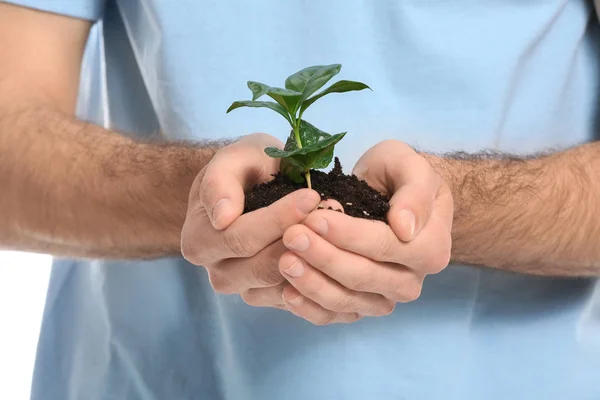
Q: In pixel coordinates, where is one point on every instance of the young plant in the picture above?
(306, 147)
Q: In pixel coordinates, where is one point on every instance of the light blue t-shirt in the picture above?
(517, 76)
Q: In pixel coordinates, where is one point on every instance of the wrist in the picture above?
(488, 192)
(450, 170)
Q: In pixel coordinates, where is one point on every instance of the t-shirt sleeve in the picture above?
(85, 9)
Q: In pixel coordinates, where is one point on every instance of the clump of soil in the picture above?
(356, 196)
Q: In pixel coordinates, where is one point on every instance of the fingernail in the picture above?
(300, 243)
(306, 204)
(219, 209)
(407, 219)
(296, 270)
(320, 226)
(296, 301)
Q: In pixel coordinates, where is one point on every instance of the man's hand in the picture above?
(241, 252)
(342, 268)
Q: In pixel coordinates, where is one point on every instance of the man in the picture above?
(163, 290)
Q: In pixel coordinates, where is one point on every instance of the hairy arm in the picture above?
(535, 215)
(70, 188)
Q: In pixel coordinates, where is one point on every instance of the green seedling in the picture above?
(307, 147)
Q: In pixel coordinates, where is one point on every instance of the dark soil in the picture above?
(357, 197)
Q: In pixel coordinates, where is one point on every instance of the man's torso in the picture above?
(464, 75)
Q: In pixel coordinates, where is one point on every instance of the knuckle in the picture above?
(354, 317)
(312, 289)
(280, 223)
(252, 298)
(439, 257)
(385, 307)
(324, 319)
(327, 264)
(189, 252)
(192, 252)
(408, 293)
(439, 261)
(239, 245)
(267, 274)
(385, 249)
(343, 303)
(362, 283)
(220, 283)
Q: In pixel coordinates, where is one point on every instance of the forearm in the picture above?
(74, 189)
(539, 215)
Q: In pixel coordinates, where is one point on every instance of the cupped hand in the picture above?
(241, 251)
(343, 268)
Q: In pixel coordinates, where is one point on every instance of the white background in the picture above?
(23, 283)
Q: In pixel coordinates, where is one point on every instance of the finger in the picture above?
(329, 294)
(371, 166)
(255, 230)
(233, 170)
(414, 195)
(372, 239)
(259, 271)
(395, 169)
(265, 297)
(354, 271)
(250, 233)
(428, 253)
(311, 311)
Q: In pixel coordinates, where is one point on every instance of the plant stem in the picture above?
(299, 143)
(297, 134)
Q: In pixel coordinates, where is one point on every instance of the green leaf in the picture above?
(293, 169)
(311, 148)
(288, 99)
(338, 87)
(311, 79)
(290, 143)
(258, 104)
(315, 147)
(311, 136)
(322, 158)
(316, 152)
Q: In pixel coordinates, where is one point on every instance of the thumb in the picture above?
(373, 165)
(222, 196)
(231, 171)
(227, 175)
(397, 170)
(370, 168)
